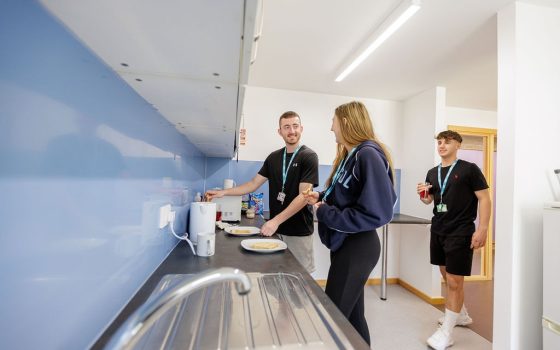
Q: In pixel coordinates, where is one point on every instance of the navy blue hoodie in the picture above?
(362, 199)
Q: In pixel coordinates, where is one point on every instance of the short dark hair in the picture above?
(449, 135)
(288, 114)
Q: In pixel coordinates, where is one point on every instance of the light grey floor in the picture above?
(404, 321)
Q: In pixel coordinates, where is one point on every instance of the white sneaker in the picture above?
(463, 320)
(440, 340)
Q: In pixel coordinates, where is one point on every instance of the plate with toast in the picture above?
(243, 230)
(263, 245)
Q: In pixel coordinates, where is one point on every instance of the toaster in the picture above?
(230, 206)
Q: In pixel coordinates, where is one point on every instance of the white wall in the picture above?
(424, 116)
(415, 267)
(263, 107)
(529, 125)
(471, 117)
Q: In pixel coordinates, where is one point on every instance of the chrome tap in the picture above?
(148, 313)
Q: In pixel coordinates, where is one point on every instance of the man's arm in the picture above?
(247, 187)
(484, 210)
(270, 227)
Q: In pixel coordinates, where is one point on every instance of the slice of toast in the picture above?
(240, 231)
(265, 245)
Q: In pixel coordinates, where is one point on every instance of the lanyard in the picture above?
(442, 187)
(337, 174)
(284, 169)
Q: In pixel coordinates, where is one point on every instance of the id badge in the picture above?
(281, 196)
(441, 208)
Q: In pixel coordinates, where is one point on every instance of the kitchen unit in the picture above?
(189, 60)
(230, 253)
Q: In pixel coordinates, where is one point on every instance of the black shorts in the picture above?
(453, 252)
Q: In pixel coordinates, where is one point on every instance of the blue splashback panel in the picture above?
(85, 164)
(218, 169)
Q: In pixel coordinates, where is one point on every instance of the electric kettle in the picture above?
(202, 219)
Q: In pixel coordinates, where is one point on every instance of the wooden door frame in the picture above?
(489, 136)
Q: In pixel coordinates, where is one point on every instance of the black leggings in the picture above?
(350, 268)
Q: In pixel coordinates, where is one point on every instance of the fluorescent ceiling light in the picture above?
(393, 22)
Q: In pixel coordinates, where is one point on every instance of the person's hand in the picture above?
(311, 197)
(422, 186)
(316, 206)
(478, 239)
(269, 228)
(210, 194)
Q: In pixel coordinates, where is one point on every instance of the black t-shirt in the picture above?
(459, 196)
(304, 168)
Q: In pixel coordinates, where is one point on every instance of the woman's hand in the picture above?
(316, 206)
(311, 197)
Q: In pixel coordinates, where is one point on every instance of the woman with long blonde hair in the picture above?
(358, 198)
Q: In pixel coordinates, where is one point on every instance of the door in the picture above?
(479, 147)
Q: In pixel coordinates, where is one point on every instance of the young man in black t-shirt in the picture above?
(289, 171)
(457, 188)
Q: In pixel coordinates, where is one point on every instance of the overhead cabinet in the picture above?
(188, 58)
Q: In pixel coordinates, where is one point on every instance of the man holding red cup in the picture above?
(457, 188)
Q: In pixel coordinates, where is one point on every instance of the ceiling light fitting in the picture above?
(394, 21)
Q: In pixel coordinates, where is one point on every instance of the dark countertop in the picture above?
(407, 219)
(230, 253)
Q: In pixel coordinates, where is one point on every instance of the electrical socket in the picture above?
(164, 212)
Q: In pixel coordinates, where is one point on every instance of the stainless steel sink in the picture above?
(279, 312)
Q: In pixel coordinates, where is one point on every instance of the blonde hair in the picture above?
(355, 128)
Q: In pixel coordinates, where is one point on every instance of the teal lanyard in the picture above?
(337, 174)
(442, 187)
(284, 169)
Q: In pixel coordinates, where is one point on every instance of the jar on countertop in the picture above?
(250, 213)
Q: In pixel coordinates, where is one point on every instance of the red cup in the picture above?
(218, 215)
(425, 192)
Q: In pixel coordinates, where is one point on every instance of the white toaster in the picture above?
(230, 206)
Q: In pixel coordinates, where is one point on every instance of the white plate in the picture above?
(248, 245)
(234, 230)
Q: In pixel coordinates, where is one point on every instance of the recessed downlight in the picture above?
(217, 87)
(216, 74)
(124, 64)
(138, 79)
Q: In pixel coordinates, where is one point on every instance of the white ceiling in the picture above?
(187, 57)
(450, 43)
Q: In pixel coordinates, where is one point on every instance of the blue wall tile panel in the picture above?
(85, 164)
(218, 169)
